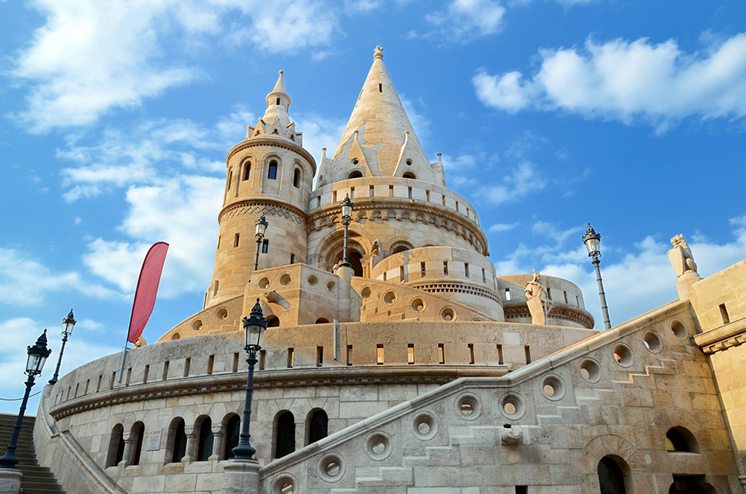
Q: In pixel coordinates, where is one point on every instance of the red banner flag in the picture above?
(147, 289)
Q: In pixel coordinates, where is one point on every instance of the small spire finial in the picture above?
(378, 53)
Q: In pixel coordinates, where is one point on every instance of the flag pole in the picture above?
(124, 358)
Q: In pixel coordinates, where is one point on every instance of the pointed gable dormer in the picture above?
(380, 127)
(276, 119)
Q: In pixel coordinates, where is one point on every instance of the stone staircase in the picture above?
(36, 479)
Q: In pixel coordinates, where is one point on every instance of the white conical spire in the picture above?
(276, 120)
(383, 128)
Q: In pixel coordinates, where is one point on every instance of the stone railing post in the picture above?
(217, 442)
(190, 445)
(127, 450)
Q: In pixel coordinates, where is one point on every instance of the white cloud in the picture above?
(465, 20)
(657, 83)
(361, 6)
(501, 227)
(25, 281)
(182, 212)
(319, 132)
(642, 279)
(90, 57)
(521, 180)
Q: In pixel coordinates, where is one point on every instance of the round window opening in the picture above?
(312, 280)
(285, 279)
(590, 371)
(378, 446)
(447, 314)
(263, 283)
(468, 406)
(284, 485)
(424, 426)
(622, 355)
(652, 342)
(197, 325)
(389, 297)
(512, 406)
(222, 314)
(331, 468)
(553, 387)
(418, 305)
(679, 330)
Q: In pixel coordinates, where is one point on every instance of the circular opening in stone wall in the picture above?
(425, 426)
(389, 297)
(418, 305)
(285, 279)
(331, 468)
(679, 330)
(468, 406)
(263, 283)
(447, 314)
(378, 446)
(284, 485)
(365, 292)
(622, 355)
(512, 406)
(330, 286)
(652, 341)
(222, 314)
(312, 280)
(553, 388)
(197, 325)
(590, 371)
(175, 336)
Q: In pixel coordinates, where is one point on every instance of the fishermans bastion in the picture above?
(417, 369)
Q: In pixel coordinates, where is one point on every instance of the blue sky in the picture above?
(116, 118)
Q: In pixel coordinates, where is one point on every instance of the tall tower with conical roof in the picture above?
(379, 140)
(268, 174)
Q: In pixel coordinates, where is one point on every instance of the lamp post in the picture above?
(260, 229)
(253, 326)
(68, 324)
(346, 217)
(37, 355)
(592, 241)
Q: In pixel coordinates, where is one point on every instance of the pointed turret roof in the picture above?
(383, 127)
(276, 120)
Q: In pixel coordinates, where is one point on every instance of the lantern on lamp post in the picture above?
(260, 228)
(592, 241)
(68, 323)
(346, 217)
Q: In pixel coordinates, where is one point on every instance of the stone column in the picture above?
(241, 477)
(127, 450)
(10, 480)
(217, 442)
(190, 445)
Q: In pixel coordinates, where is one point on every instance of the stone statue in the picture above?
(684, 266)
(535, 294)
(681, 256)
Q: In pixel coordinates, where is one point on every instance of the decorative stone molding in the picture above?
(258, 207)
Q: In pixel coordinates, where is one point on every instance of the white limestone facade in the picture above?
(417, 369)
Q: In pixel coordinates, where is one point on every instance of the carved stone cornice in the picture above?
(264, 206)
(275, 141)
(236, 381)
(723, 337)
(432, 214)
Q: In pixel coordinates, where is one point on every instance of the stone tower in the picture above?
(268, 174)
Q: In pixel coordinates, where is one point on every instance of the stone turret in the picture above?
(268, 174)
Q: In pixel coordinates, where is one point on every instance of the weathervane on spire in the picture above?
(378, 53)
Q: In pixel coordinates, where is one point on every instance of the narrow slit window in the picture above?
(98, 386)
(380, 87)
(265, 246)
(164, 376)
(401, 274)
(456, 205)
(113, 378)
(215, 288)
(724, 313)
(565, 292)
(229, 180)
(262, 359)
(577, 300)
(521, 489)
(423, 271)
(466, 269)
(144, 376)
(219, 237)
(235, 362)
(334, 196)
(471, 353)
(292, 258)
(384, 276)
(445, 268)
(187, 366)
(441, 353)
(246, 171)
(500, 355)
(291, 358)
(427, 195)
(527, 350)
(444, 199)
(371, 191)
(319, 356)
(484, 276)
(549, 293)
(507, 294)
(210, 364)
(236, 239)
(410, 354)
(379, 354)
(352, 192)
(391, 191)
(409, 192)
(349, 354)
(278, 102)
(296, 178)
(126, 382)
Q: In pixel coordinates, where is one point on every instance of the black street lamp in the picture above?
(253, 326)
(592, 241)
(346, 217)
(260, 229)
(37, 355)
(68, 324)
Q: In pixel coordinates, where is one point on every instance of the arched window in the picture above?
(136, 434)
(204, 441)
(355, 174)
(611, 476)
(680, 439)
(116, 446)
(230, 178)
(272, 171)
(177, 440)
(246, 170)
(284, 433)
(296, 178)
(232, 435)
(400, 247)
(273, 321)
(409, 175)
(317, 425)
